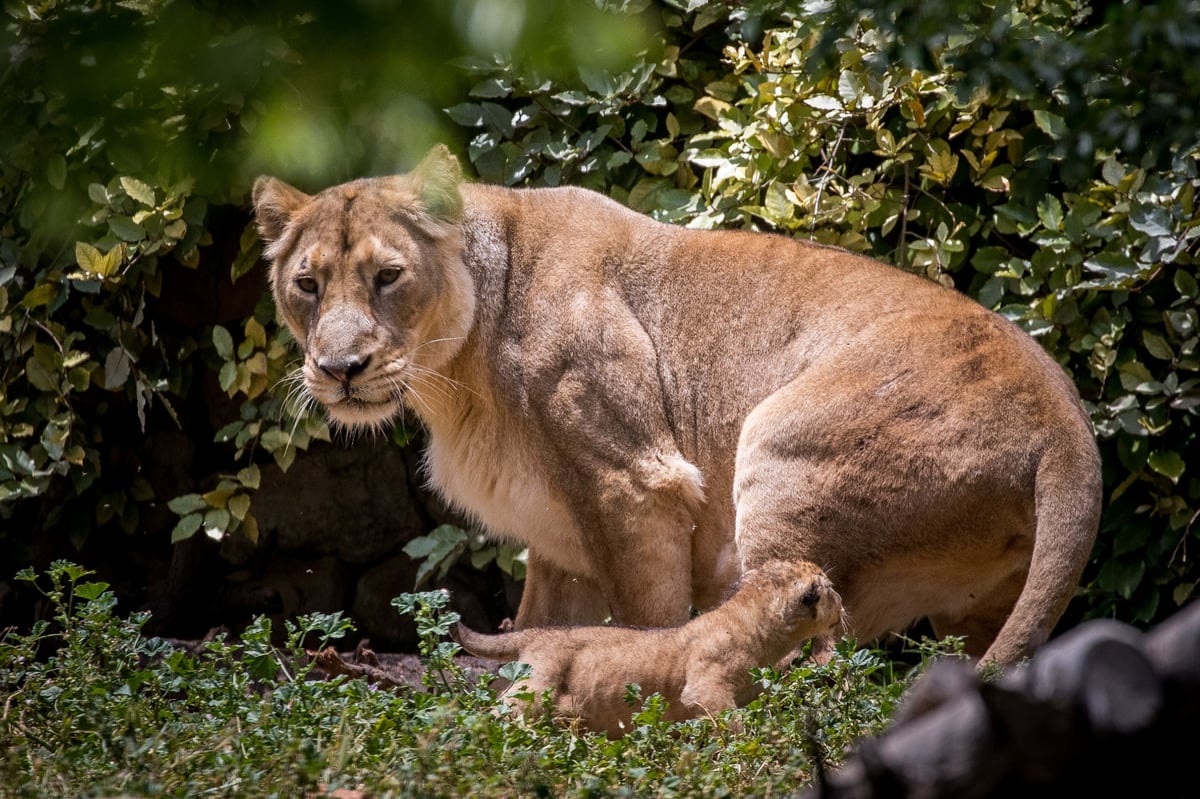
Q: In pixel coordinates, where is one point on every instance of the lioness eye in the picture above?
(387, 275)
(307, 284)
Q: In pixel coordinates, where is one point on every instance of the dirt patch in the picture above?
(386, 670)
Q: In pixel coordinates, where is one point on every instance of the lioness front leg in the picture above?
(637, 524)
(555, 597)
(635, 499)
(642, 550)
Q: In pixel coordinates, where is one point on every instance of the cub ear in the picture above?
(274, 204)
(436, 180)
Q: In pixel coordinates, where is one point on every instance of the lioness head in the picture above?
(369, 278)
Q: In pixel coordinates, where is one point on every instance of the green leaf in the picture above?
(1183, 592)
(228, 432)
(1157, 346)
(187, 503)
(88, 257)
(491, 88)
(1151, 220)
(1185, 283)
(138, 191)
(228, 376)
(98, 194)
(274, 439)
(1168, 463)
(39, 295)
(249, 250)
(186, 527)
(223, 341)
(1145, 606)
(125, 228)
(1051, 124)
(1113, 172)
(216, 521)
(90, 591)
(250, 477)
(94, 262)
(116, 368)
(1050, 212)
(823, 102)
(56, 172)
(438, 549)
(1114, 268)
(239, 505)
(941, 164)
(1122, 576)
(499, 118)
(39, 376)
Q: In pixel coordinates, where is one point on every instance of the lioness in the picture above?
(700, 668)
(653, 410)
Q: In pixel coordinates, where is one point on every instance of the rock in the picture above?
(372, 608)
(353, 502)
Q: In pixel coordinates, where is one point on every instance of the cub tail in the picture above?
(502, 646)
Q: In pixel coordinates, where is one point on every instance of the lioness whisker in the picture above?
(437, 341)
(433, 374)
(293, 372)
(421, 386)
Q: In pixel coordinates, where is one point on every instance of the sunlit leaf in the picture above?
(138, 190)
(1167, 463)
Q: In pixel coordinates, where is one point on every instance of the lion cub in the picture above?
(701, 668)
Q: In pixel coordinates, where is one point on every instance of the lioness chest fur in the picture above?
(700, 668)
(653, 410)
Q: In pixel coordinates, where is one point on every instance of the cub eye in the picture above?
(387, 275)
(307, 284)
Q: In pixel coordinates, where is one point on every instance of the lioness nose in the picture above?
(343, 369)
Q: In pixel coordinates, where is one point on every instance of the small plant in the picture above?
(443, 546)
(430, 611)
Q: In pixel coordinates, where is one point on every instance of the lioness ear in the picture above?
(436, 181)
(274, 204)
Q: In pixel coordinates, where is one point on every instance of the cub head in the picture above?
(369, 277)
(795, 598)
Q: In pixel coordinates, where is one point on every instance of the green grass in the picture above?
(94, 708)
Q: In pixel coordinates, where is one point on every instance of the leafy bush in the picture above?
(110, 711)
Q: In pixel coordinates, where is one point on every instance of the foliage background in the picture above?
(1041, 157)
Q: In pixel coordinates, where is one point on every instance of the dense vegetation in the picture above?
(1040, 156)
(114, 712)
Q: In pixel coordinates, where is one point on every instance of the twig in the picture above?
(832, 174)
(904, 219)
(332, 664)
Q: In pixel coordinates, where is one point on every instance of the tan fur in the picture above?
(653, 409)
(700, 668)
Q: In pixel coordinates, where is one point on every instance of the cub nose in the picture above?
(343, 369)
(813, 594)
